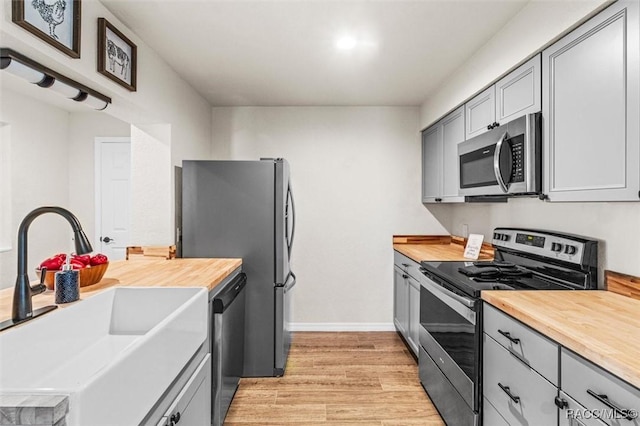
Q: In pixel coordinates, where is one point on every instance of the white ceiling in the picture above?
(282, 52)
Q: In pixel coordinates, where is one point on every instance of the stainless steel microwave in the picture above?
(506, 160)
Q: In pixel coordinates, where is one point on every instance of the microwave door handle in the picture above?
(496, 163)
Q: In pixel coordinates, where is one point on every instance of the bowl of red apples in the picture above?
(90, 268)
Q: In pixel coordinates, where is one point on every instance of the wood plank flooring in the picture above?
(338, 379)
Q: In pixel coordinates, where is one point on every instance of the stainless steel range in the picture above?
(451, 310)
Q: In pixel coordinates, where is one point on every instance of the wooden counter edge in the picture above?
(623, 284)
(559, 334)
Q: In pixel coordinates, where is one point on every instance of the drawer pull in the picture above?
(507, 390)
(508, 336)
(561, 403)
(406, 265)
(405, 276)
(605, 400)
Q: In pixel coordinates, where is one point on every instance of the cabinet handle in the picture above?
(405, 276)
(175, 418)
(507, 390)
(438, 200)
(495, 124)
(628, 414)
(508, 336)
(489, 127)
(561, 403)
(406, 265)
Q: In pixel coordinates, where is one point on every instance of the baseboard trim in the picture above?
(342, 326)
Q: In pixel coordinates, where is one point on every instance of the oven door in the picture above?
(450, 335)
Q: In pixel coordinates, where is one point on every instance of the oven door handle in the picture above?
(496, 163)
(469, 303)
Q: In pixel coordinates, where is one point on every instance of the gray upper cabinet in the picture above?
(520, 92)
(480, 112)
(431, 164)
(591, 106)
(516, 94)
(440, 176)
(452, 134)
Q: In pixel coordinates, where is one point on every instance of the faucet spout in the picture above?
(23, 291)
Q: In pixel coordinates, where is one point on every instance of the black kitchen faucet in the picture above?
(23, 291)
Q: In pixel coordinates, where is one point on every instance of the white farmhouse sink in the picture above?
(114, 353)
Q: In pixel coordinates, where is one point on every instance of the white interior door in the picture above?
(113, 196)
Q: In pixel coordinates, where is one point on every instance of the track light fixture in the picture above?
(23, 67)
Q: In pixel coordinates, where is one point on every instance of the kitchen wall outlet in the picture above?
(465, 230)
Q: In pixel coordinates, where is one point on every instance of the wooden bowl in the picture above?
(88, 276)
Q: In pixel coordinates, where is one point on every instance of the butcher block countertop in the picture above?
(436, 248)
(142, 273)
(601, 326)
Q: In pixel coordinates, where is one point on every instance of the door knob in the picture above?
(106, 240)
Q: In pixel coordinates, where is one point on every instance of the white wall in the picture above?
(162, 97)
(617, 225)
(356, 178)
(39, 177)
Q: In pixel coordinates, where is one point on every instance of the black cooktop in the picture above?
(472, 277)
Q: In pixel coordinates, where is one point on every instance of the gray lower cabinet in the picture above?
(406, 300)
(192, 406)
(616, 402)
(591, 104)
(400, 301)
(531, 380)
(440, 175)
(518, 393)
(574, 414)
(520, 372)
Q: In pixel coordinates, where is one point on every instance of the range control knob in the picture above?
(504, 237)
(557, 247)
(496, 235)
(570, 249)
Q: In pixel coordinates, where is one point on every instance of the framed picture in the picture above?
(57, 22)
(116, 55)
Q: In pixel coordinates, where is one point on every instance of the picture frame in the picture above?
(55, 22)
(117, 55)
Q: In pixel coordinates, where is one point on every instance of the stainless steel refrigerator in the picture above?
(245, 209)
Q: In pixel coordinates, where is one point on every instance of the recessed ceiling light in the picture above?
(346, 43)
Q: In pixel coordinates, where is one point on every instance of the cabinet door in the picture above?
(452, 134)
(192, 406)
(432, 164)
(400, 301)
(520, 92)
(480, 112)
(591, 105)
(414, 314)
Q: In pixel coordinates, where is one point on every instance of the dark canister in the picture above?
(67, 284)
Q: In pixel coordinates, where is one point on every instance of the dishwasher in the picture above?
(227, 346)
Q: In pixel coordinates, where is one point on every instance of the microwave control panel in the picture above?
(517, 152)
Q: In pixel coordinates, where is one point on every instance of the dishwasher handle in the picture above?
(229, 294)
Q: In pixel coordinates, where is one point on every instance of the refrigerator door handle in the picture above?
(293, 219)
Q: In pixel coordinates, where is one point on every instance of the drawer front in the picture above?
(407, 265)
(527, 344)
(574, 414)
(490, 415)
(532, 396)
(580, 376)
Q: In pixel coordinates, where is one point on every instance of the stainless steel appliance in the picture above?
(227, 346)
(245, 209)
(450, 359)
(504, 161)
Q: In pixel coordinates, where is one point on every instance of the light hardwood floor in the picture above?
(338, 379)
